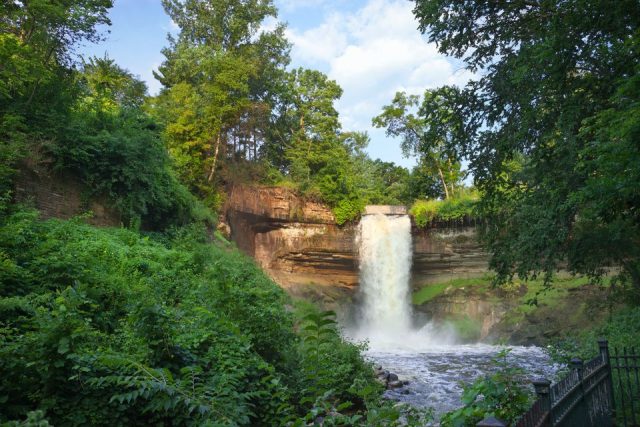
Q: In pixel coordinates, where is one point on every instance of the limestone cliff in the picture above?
(299, 244)
(296, 241)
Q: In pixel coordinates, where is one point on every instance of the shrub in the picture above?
(122, 157)
(109, 327)
(502, 394)
(620, 330)
(458, 207)
(106, 327)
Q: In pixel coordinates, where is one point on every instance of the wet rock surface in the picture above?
(389, 379)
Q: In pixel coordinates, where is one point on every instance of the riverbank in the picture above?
(521, 313)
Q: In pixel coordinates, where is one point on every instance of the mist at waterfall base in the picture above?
(426, 354)
(384, 316)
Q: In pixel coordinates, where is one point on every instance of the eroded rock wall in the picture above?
(298, 243)
(446, 252)
(61, 196)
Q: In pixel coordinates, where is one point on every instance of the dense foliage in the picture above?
(112, 327)
(232, 110)
(116, 149)
(57, 116)
(620, 330)
(107, 327)
(458, 207)
(549, 126)
(410, 117)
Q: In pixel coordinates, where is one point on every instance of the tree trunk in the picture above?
(444, 183)
(451, 183)
(255, 147)
(215, 160)
(633, 269)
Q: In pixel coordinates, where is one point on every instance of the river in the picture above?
(435, 375)
(428, 357)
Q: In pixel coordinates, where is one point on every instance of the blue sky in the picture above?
(372, 48)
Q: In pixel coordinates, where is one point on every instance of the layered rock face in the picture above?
(298, 243)
(446, 252)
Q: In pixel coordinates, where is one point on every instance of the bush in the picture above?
(502, 394)
(105, 327)
(108, 327)
(620, 330)
(347, 210)
(458, 207)
(122, 157)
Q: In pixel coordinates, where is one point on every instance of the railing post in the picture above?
(578, 365)
(491, 422)
(542, 387)
(603, 344)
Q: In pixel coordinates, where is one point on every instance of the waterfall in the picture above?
(385, 263)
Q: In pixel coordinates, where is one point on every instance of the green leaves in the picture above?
(221, 76)
(461, 206)
(429, 128)
(146, 332)
(502, 394)
(532, 126)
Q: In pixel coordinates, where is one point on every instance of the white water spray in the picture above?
(385, 254)
(385, 263)
(425, 356)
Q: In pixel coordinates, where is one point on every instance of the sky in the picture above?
(372, 48)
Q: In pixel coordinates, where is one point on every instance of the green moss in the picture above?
(466, 328)
(552, 296)
(430, 291)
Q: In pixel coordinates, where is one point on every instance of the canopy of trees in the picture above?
(550, 128)
(229, 106)
(425, 134)
(173, 326)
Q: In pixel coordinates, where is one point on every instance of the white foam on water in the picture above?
(427, 356)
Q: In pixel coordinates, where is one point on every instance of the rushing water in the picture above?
(385, 258)
(435, 374)
(427, 355)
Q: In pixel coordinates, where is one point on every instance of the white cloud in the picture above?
(289, 5)
(319, 44)
(372, 53)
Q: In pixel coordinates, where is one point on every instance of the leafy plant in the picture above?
(502, 394)
(461, 205)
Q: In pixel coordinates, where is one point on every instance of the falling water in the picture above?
(426, 355)
(385, 263)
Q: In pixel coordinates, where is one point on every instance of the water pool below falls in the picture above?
(425, 355)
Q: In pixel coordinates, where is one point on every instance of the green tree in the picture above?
(412, 118)
(37, 38)
(547, 128)
(108, 87)
(115, 148)
(315, 124)
(221, 80)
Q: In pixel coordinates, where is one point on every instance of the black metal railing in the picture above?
(626, 386)
(602, 392)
